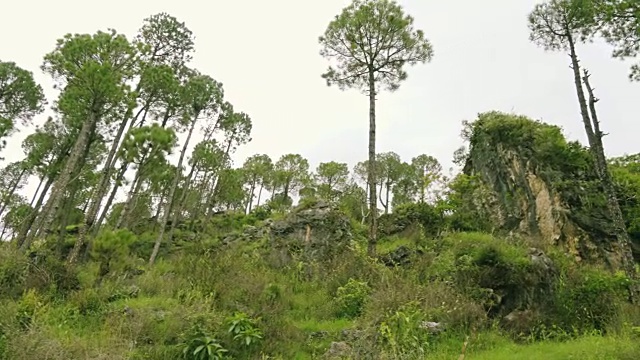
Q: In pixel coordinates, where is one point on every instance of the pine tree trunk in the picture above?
(14, 186)
(35, 194)
(180, 206)
(371, 176)
(98, 194)
(158, 209)
(130, 202)
(582, 101)
(23, 241)
(621, 253)
(103, 183)
(380, 199)
(62, 182)
(63, 219)
(252, 191)
(172, 193)
(623, 247)
(422, 187)
(259, 194)
(114, 191)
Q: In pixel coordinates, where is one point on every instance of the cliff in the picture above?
(534, 182)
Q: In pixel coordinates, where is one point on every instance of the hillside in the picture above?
(298, 283)
(128, 230)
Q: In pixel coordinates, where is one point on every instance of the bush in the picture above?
(350, 298)
(588, 299)
(111, 250)
(14, 269)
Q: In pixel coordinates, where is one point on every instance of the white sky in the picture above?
(266, 55)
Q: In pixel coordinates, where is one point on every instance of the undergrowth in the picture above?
(213, 301)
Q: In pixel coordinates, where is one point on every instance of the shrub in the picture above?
(588, 299)
(403, 333)
(351, 297)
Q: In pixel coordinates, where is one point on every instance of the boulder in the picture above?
(317, 231)
(338, 350)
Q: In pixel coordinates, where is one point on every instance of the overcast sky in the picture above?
(266, 55)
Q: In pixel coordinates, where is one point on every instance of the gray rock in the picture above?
(397, 257)
(337, 350)
(318, 231)
(431, 326)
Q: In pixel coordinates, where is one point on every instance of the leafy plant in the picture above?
(402, 331)
(244, 329)
(351, 298)
(203, 347)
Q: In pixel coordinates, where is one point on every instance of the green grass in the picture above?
(293, 305)
(388, 245)
(585, 348)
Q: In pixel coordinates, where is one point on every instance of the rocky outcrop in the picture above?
(533, 182)
(315, 230)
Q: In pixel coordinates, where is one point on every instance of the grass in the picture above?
(294, 306)
(585, 348)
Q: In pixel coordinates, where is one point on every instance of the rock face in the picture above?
(314, 231)
(318, 231)
(533, 182)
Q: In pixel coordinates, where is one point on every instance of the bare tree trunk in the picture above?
(259, 194)
(112, 196)
(35, 194)
(172, 193)
(252, 191)
(23, 241)
(371, 176)
(621, 253)
(582, 101)
(101, 189)
(130, 202)
(62, 182)
(623, 247)
(14, 186)
(177, 214)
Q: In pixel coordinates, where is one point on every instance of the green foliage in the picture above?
(494, 140)
(557, 23)
(485, 267)
(20, 98)
(91, 80)
(28, 308)
(332, 179)
(243, 329)
(111, 247)
(372, 40)
(625, 171)
(13, 270)
(617, 22)
(300, 310)
(209, 297)
(590, 299)
(462, 212)
(200, 346)
(429, 217)
(403, 332)
(350, 298)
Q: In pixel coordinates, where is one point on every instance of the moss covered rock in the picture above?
(534, 182)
